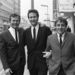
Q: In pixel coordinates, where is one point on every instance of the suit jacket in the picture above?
(64, 54)
(12, 53)
(35, 48)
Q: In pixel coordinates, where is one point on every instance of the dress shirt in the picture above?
(36, 28)
(62, 37)
(12, 31)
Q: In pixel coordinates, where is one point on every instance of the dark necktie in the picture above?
(60, 40)
(34, 32)
(16, 36)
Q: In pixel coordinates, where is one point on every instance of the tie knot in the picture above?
(34, 28)
(60, 35)
(16, 29)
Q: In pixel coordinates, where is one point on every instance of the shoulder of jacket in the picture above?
(51, 36)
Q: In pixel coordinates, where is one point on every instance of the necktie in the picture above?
(34, 32)
(60, 40)
(16, 36)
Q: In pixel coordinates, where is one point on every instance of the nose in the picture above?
(33, 18)
(60, 26)
(15, 21)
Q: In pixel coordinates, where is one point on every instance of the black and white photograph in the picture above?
(37, 37)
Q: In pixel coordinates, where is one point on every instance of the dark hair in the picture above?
(33, 11)
(61, 19)
(14, 15)
(69, 29)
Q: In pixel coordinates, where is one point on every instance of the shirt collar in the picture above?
(62, 35)
(36, 27)
(11, 29)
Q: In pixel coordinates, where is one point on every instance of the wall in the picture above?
(6, 8)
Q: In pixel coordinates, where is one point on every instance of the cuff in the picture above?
(8, 70)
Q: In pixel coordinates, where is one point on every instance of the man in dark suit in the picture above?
(35, 38)
(61, 59)
(11, 49)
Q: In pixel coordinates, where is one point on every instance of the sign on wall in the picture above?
(66, 5)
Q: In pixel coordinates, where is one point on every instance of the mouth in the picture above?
(33, 21)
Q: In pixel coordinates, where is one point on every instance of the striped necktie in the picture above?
(60, 40)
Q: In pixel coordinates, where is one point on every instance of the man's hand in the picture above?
(47, 54)
(8, 73)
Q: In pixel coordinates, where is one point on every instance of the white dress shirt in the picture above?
(36, 28)
(12, 31)
(62, 37)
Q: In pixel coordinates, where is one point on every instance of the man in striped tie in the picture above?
(60, 50)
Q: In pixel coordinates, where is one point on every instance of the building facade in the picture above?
(8, 7)
(65, 8)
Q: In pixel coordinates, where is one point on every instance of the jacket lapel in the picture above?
(9, 35)
(30, 33)
(56, 40)
(65, 39)
(20, 36)
(39, 33)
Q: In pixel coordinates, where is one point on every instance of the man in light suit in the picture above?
(36, 44)
(12, 51)
(60, 50)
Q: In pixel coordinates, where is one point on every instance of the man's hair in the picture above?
(61, 19)
(33, 11)
(14, 15)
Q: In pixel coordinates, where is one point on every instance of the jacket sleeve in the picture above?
(48, 47)
(49, 32)
(24, 38)
(3, 53)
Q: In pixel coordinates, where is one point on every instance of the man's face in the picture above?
(60, 27)
(15, 22)
(33, 18)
